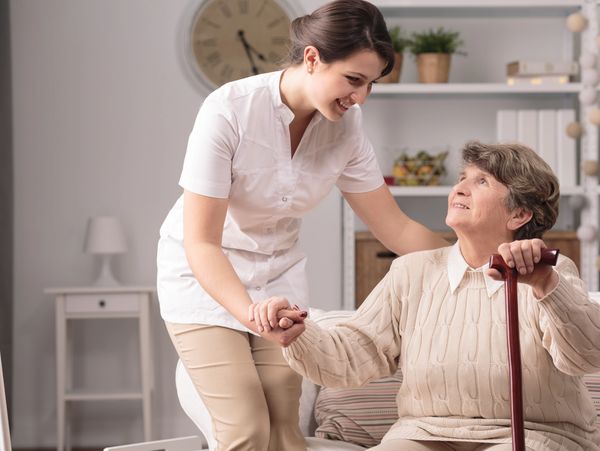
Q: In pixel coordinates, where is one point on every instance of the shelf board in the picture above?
(444, 190)
(420, 191)
(102, 315)
(101, 289)
(384, 89)
(84, 395)
(478, 8)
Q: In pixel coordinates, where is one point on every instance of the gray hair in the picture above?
(530, 181)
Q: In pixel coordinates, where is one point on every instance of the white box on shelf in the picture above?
(546, 142)
(524, 68)
(527, 127)
(506, 125)
(566, 153)
(538, 80)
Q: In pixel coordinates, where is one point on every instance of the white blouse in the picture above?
(239, 149)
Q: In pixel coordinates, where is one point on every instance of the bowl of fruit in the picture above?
(422, 169)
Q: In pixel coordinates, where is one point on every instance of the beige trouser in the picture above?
(413, 445)
(248, 388)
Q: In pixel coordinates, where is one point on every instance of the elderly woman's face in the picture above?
(476, 204)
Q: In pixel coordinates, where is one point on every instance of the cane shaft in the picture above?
(510, 275)
(514, 358)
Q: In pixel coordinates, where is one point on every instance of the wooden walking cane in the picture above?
(510, 275)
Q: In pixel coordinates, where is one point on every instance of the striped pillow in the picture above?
(358, 415)
(592, 382)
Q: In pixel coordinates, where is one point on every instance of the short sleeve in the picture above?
(210, 150)
(362, 173)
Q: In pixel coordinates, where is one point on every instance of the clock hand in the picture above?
(249, 50)
(252, 49)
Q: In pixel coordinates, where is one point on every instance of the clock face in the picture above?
(232, 39)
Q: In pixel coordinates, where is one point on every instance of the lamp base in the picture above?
(106, 278)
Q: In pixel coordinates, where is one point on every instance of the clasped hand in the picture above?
(277, 321)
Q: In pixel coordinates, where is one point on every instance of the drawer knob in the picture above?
(102, 303)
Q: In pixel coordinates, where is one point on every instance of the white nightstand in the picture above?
(100, 303)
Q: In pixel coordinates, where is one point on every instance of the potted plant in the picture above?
(399, 42)
(433, 49)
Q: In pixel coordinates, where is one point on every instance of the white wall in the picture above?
(102, 111)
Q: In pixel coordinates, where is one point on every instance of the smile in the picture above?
(461, 206)
(344, 106)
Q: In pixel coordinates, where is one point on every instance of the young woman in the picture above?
(263, 152)
(440, 316)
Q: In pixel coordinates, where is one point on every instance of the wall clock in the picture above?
(230, 39)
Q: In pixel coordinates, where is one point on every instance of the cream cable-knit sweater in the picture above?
(453, 354)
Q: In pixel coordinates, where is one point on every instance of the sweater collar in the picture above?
(457, 267)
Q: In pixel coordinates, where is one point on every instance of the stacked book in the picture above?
(545, 132)
(540, 72)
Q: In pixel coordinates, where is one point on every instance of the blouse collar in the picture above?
(457, 267)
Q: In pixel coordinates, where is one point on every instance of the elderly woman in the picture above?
(440, 316)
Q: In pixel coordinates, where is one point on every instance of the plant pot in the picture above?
(394, 75)
(433, 67)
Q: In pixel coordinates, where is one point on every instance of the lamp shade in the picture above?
(105, 235)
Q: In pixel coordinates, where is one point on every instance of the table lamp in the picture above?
(105, 237)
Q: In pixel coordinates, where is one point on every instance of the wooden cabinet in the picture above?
(373, 260)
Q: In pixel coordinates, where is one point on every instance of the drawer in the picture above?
(98, 303)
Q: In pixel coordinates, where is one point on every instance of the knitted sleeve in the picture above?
(364, 348)
(570, 323)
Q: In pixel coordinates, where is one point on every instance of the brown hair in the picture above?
(339, 29)
(530, 181)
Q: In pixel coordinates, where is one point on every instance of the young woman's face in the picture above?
(337, 86)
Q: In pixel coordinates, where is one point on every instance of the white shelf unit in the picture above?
(100, 303)
(392, 89)
(481, 8)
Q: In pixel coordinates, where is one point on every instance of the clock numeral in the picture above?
(245, 73)
(279, 40)
(225, 9)
(212, 42)
(261, 9)
(276, 22)
(274, 58)
(214, 58)
(210, 23)
(226, 72)
(243, 6)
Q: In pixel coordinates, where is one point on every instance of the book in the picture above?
(527, 68)
(547, 136)
(527, 127)
(506, 126)
(538, 80)
(566, 150)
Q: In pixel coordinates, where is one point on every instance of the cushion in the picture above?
(361, 416)
(358, 415)
(592, 382)
(319, 444)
